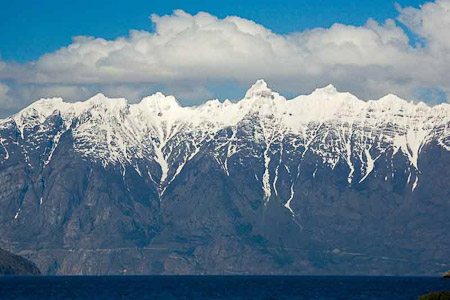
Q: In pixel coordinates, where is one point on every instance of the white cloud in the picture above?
(3, 91)
(431, 21)
(5, 100)
(186, 54)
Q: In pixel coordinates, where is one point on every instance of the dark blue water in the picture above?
(218, 287)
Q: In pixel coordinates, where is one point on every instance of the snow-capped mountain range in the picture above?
(263, 143)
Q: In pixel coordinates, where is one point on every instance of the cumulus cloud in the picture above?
(188, 54)
(5, 99)
(3, 91)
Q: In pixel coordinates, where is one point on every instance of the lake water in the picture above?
(218, 287)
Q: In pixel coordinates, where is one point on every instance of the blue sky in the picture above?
(200, 50)
(29, 28)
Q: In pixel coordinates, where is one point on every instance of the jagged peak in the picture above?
(394, 101)
(329, 90)
(311, 105)
(330, 93)
(44, 103)
(160, 101)
(97, 96)
(101, 99)
(331, 96)
(41, 108)
(258, 89)
(49, 101)
(422, 104)
(391, 97)
(213, 102)
(227, 102)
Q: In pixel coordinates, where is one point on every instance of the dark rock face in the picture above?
(11, 264)
(248, 198)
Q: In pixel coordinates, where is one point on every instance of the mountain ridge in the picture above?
(258, 90)
(190, 188)
(213, 115)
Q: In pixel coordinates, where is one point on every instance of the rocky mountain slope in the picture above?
(11, 264)
(320, 184)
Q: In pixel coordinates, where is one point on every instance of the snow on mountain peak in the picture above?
(329, 90)
(103, 101)
(393, 101)
(332, 97)
(160, 102)
(44, 106)
(37, 112)
(258, 89)
(322, 103)
(114, 131)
